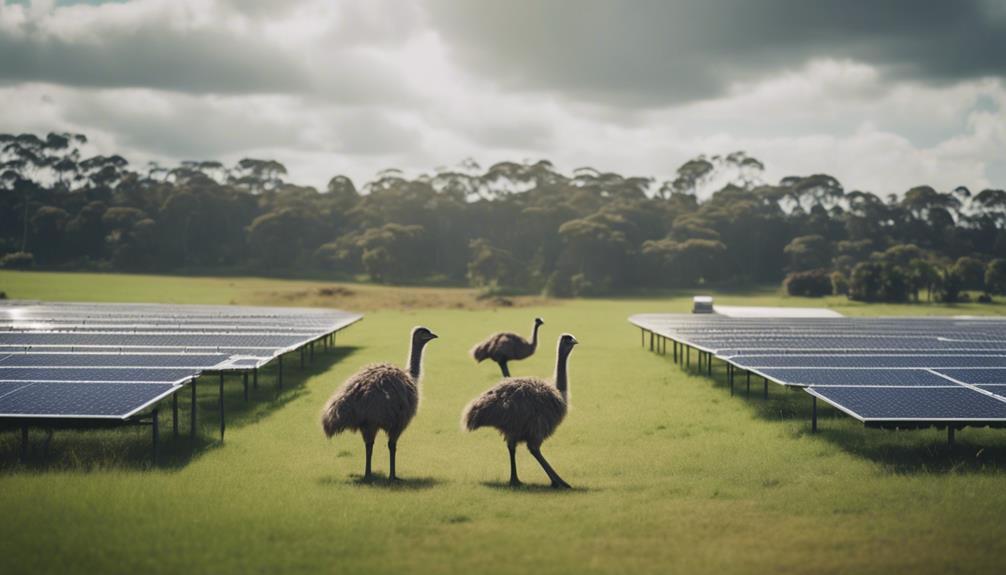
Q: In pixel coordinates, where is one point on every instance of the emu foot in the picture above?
(560, 484)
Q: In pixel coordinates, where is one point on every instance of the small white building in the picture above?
(702, 304)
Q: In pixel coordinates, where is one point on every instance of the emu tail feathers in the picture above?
(335, 417)
(481, 351)
(474, 415)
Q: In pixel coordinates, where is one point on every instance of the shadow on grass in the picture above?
(531, 487)
(130, 447)
(906, 451)
(918, 451)
(382, 482)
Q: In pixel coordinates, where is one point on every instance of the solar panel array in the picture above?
(882, 371)
(112, 361)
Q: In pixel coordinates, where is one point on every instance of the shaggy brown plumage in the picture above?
(506, 347)
(378, 397)
(525, 409)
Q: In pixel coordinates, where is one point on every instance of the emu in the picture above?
(526, 409)
(505, 347)
(379, 396)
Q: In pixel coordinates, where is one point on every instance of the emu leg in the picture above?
(557, 481)
(512, 447)
(392, 448)
(368, 440)
(504, 369)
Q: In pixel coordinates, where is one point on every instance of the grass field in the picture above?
(671, 473)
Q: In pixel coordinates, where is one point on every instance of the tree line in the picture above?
(514, 226)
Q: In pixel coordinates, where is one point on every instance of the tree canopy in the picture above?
(519, 225)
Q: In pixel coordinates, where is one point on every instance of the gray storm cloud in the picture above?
(885, 94)
(655, 52)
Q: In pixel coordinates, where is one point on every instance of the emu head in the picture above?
(566, 343)
(421, 336)
(538, 321)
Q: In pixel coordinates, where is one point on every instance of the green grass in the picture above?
(672, 474)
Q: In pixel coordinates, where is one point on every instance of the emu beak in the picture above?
(433, 335)
(574, 340)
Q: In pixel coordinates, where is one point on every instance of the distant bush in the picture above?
(839, 283)
(984, 298)
(558, 286)
(972, 273)
(950, 287)
(995, 276)
(17, 261)
(813, 283)
(875, 281)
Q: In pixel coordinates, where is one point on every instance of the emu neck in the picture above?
(561, 377)
(415, 360)
(534, 336)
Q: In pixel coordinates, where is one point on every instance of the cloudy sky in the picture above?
(882, 94)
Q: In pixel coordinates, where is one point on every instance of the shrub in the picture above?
(864, 283)
(984, 298)
(558, 285)
(995, 276)
(17, 261)
(874, 281)
(951, 286)
(813, 283)
(839, 283)
(971, 272)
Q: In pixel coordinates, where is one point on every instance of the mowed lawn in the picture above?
(671, 473)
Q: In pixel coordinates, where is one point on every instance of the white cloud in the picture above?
(356, 86)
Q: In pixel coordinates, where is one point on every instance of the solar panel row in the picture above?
(887, 371)
(114, 360)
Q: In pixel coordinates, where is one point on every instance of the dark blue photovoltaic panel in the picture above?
(263, 353)
(858, 377)
(999, 390)
(9, 386)
(975, 376)
(125, 374)
(111, 360)
(90, 399)
(832, 361)
(879, 369)
(914, 403)
(828, 344)
(127, 340)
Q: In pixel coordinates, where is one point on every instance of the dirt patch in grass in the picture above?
(371, 297)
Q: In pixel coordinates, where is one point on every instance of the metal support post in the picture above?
(155, 432)
(24, 443)
(813, 414)
(192, 414)
(221, 407)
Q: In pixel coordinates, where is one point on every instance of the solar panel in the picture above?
(126, 340)
(96, 374)
(892, 404)
(886, 370)
(868, 361)
(857, 377)
(90, 400)
(83, 360)
(196, 361)
(976, 376)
